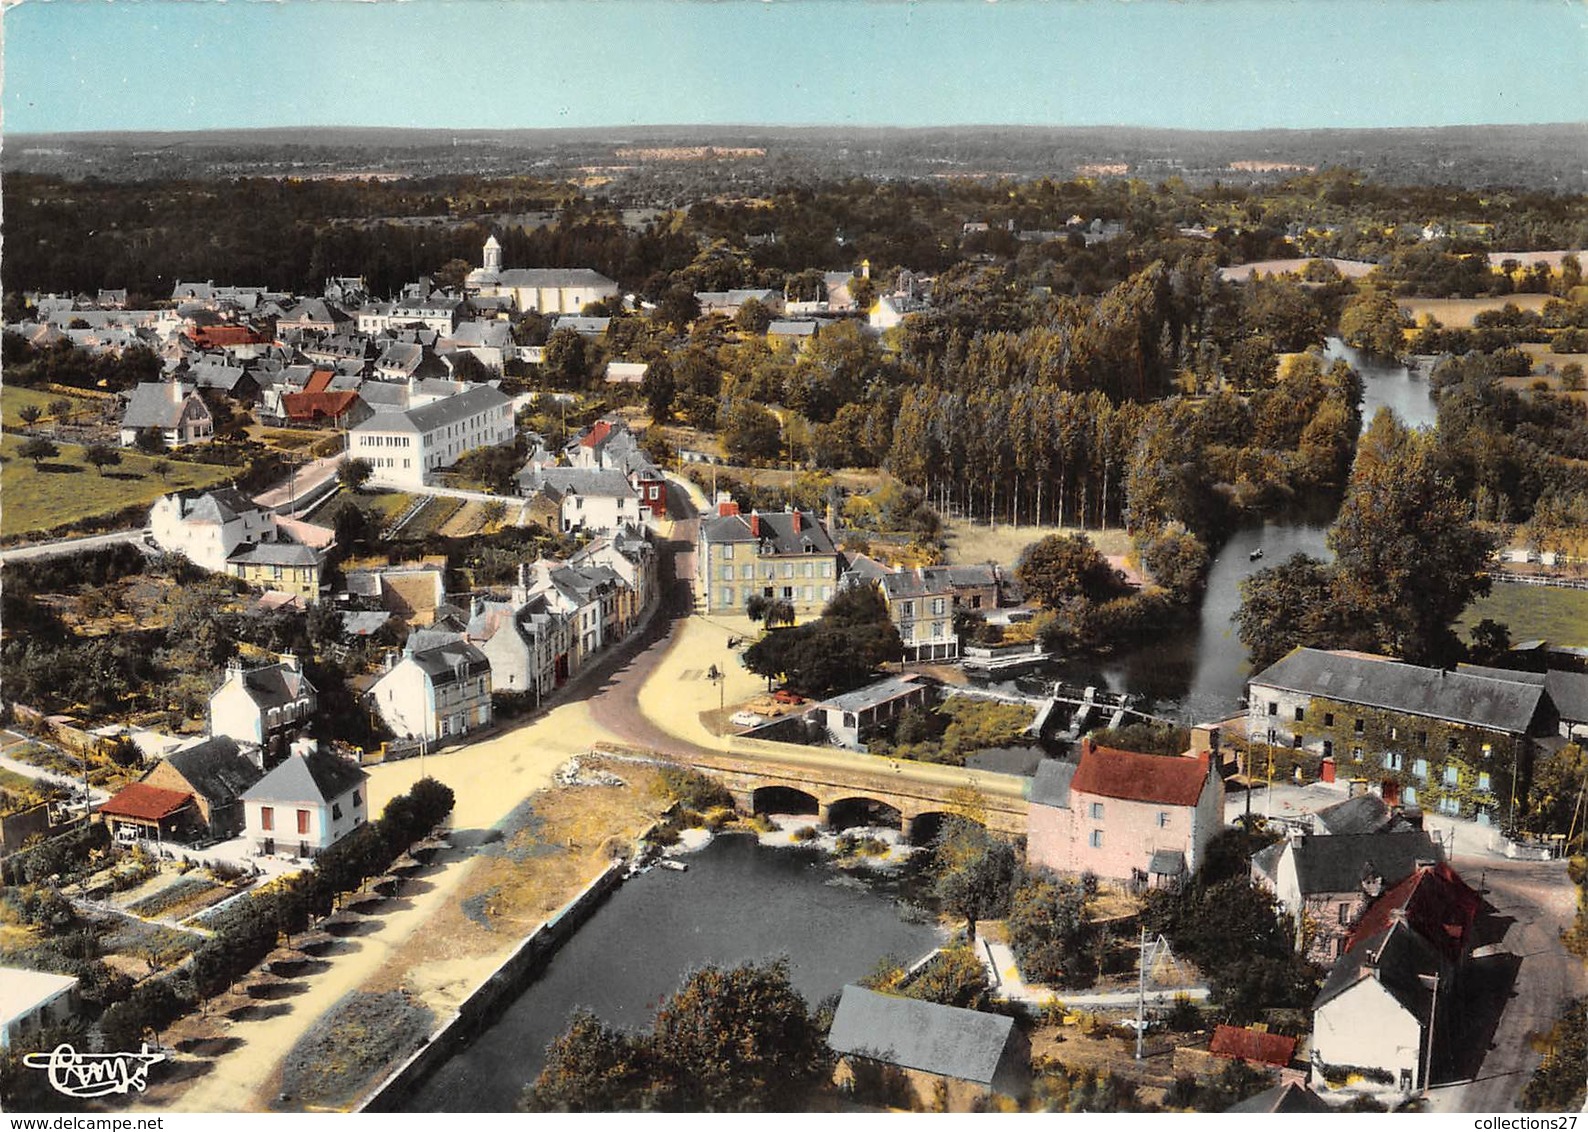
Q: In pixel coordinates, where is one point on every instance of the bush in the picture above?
(805, 833)
(694, 790)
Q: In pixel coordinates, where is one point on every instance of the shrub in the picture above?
(694, 790)
(805, 833)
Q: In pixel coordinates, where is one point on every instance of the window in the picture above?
(1359, 726)
(1483, 780)
(1422, 738)
(727, 550)
(1392, 760)
(727, 571)
(1097, 839)
(1488, 750)
(336, 811)
(1328, 719)
(1395, 733)
(303, 821)
(937, 605)
(1295, 741)
(1409, 795)
(1356, 754)
(1450, 745)
(1273, 708)
(1420, 768)
(908, 609)
(1163, 819)
(1328, 749)
(1452, 776)
(267, 817)
(725, 596)
(1097, 811)
(1450, 804)
(1301, 713)
(1344, 914)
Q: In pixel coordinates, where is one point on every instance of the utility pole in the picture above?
(1428, 1060)
(1141, 994)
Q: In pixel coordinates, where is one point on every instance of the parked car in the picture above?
(745, 719)
(784, 696)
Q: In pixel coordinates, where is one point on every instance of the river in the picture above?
(1198, 673)
(738, 901)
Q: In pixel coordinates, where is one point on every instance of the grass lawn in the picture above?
(968, 542)
(66, 489)
(1559, 616)
(14, 398)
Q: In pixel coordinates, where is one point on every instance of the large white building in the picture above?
(207, 527)
(436, 693)
(404, 447)
(549, 290)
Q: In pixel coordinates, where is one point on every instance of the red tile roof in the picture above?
(598, 432)
(1435, 903)
(145, 802)
(1163, 779)
(225, 336)
(319, 381)
(309, 406)
(1252, 1045)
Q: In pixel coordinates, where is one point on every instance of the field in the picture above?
(65, 489)
(15, 398)
(1459, 312)
(1559, 616)
(968, 542)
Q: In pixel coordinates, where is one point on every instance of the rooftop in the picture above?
(1171, 780)
(875, 695)
(145, 803)
(945, 1040)
(21, 990)
(315, 777)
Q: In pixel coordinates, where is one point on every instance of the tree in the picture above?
(1571, 377)
(150, 441)
(973, 872)
(161, 468)
(1060, 567)
(1285, 607)
(354, 474)
(753, 317)
(1050, 931)
(752, 432)
(450, 275)
(1408, 558)
(566, 363)
(30, 414)
(659, 390)
(1372, 320)
(1490, 639)
(102, 456)
(61, 411)
(38, 449)
(591, 1067)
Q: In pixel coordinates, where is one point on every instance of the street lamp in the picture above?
(720, 679)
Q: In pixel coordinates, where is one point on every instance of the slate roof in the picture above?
(1252, 1045)
(864, 566)
(777, 535)
(276, 685)
(278, 553)
(218, 505)
(550, 277)
(1051, 785)
(874, 695)
(946, 1040)
(599, 482)
(315, 777)
(450, 662)
(791, 328)
(1501, 705)
(1366, 813)
(1167, 863)
(1568, 691)
(1336, 863)
(1397, 957)
(216, 769)
(358, 624)
(150, 406)
(1289, 1097)
(451, 410)
(913, 584)
(145, 803)
(1130, 776)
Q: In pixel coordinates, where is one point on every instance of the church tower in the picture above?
(493, 255)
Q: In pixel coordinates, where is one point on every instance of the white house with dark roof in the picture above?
(207, 527)
(171, 408)
(306, 805)
(267, 706)
(403, 447)
(782, 555)
(438, 692)
(587, 499)
(852, 717)
(939, 1054)
(549, 290)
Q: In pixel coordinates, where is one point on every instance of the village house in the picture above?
(1126, 816)
(528, 643)
(779, 555)
(171, 409)
(1393, 999)
(592, 500)
(609, 444)
(206, 527)
(1454, 741)
(589, 596)
(853, 717)
(549, 290)
(629, 554)
(315, 316)
(411, 591)
(907, 1053)
(403, 447)
(280, 564)
(435, 693)
(1326, 882)
(306, 805)
(1288, 1096)
(32, 1002)
(215, 773)
(267, 706)
(728, 303)
(921, 607)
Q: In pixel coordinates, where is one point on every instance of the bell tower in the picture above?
(493, 255)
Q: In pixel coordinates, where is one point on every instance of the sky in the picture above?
(77, 65)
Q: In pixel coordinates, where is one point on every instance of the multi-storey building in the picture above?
(780, 555)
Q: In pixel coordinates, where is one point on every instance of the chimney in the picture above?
(234, 668)
(726, 505)
(755, 524)
(798, 521)
(289, 659)
(1205, 737)
(176, 392)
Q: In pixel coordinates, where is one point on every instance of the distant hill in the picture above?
(649, 161)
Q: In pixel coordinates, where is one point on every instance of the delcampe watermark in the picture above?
(86, 1075)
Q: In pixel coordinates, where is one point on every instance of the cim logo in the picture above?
(86, 1075)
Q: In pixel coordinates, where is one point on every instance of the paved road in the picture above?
(28, 770)
(1526, 981)
(69, 546)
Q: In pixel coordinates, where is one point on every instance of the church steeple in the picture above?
(493, 255)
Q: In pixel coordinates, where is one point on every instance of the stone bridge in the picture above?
(844, 788)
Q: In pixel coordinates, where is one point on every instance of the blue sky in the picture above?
(1203, 64)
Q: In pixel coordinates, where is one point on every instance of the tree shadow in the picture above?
(58, 469)
(210, 1047)
(122, 476)
(178, 1072)
(258, 1011)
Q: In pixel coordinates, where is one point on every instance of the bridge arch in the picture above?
(783, 800)
(847, 812)
(924, 827)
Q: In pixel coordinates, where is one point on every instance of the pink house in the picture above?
(1125, 816)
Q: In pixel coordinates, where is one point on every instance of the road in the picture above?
(68, 546)
(9, 739)
(1527, 980)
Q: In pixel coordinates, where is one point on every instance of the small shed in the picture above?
(141, 810)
